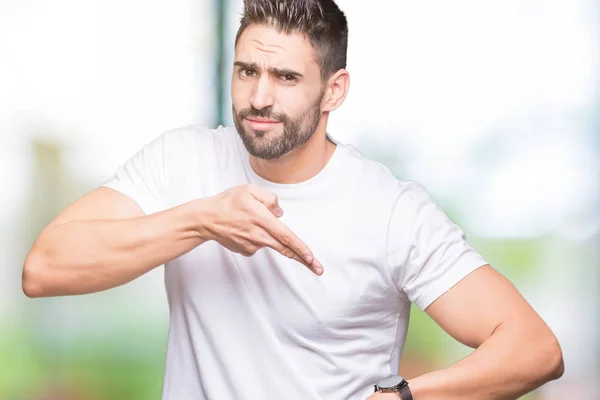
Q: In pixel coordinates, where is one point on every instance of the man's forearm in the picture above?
(510, 363)
(86, 256)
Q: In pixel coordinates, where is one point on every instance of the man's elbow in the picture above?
(556, 365)
(32, 290)
(32, 281)
(551, 359)
(30, 286)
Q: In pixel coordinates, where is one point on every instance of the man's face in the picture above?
(276, 91)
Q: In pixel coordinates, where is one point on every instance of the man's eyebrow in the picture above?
(246, 65)
(285, 71)
(276, 71)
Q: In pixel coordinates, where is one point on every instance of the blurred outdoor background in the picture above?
(494, 106)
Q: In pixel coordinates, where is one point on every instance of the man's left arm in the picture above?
(516, 352)
(431, 262)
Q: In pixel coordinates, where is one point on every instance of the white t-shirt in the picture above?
(265, 327)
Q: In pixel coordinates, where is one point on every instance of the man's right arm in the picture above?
(104, 239)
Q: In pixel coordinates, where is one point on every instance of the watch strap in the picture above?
(405, 393)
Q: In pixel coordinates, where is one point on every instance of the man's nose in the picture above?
(262, 95)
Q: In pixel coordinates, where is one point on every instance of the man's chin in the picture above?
(264, 150)
(256, 134)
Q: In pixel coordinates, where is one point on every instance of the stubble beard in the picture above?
(295, 132)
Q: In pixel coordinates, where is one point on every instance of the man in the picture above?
(235, 213)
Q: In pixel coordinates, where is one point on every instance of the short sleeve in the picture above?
(427, 253)
(142, 177)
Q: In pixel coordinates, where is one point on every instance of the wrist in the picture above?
(198, 215)
(395, 385)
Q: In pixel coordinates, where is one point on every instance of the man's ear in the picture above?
(337, 89)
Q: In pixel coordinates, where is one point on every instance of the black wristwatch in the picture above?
(394, 384)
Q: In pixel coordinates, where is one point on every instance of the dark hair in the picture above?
(321, 21)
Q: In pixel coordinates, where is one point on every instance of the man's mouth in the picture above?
(261, 124)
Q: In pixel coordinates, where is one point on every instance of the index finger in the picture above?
(284, 235)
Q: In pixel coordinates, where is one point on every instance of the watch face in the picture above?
(390, 382)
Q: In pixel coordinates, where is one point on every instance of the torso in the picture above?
(265, 327)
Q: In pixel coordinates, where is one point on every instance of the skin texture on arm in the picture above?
(516, 352)
(104, 240)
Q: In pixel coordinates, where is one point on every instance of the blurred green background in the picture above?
(493, 106)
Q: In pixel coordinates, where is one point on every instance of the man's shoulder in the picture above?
(367, 172)
(196, 143)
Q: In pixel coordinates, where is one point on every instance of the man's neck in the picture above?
(299, 165)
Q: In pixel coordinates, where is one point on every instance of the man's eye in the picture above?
(248, 72)
(288, 78)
